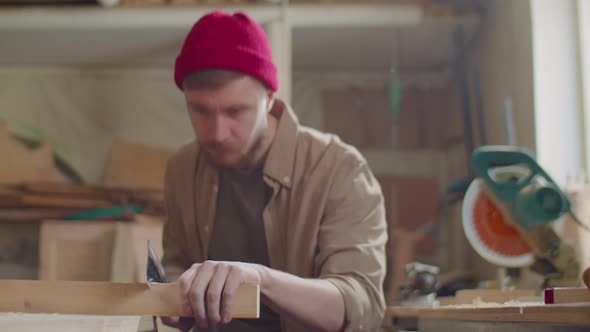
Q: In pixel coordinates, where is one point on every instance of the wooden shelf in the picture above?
(182, 17)
(152, 35)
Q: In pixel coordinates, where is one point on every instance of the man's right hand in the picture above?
(184, 324)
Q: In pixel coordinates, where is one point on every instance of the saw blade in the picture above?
(493, 236)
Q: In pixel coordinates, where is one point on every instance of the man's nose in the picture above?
(219, 129)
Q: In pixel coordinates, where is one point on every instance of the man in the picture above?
(261, 199)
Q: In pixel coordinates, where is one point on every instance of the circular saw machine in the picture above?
(508, 211)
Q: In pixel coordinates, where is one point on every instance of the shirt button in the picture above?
(215, 189)
(206, 229)
(286, 179)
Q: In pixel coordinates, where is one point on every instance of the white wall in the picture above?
(504, 52)
(583, 20)
(558, 107)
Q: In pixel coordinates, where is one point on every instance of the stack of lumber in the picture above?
(133, 183)
(54, 200)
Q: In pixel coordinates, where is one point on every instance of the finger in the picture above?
(232, 283)
(184, 284)
(214, 293)
(197, 292)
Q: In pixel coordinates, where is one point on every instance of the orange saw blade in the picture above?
(489, 231)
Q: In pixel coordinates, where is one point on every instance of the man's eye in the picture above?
(233, 111)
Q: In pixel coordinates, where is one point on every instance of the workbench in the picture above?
(501, 318)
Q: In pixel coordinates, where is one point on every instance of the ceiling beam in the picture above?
(182, 18)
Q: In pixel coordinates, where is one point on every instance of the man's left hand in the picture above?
(208, 290)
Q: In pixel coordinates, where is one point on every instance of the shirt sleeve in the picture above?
(174, 260)
(351, 242)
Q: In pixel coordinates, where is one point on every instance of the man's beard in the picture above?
(245, 161)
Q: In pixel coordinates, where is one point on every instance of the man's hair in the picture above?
(210, 79)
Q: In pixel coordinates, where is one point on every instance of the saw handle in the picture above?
(486, 157)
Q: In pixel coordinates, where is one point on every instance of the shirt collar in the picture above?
(281, 156)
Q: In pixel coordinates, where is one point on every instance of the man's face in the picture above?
(229, 122)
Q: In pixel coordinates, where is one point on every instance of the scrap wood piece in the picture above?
(105, 298)
(136, 165)
(21, 164)
(566, 295)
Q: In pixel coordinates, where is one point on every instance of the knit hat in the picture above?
(222, 41)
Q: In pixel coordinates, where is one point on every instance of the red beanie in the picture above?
(222, 41)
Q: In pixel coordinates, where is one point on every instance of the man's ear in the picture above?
(270, 100)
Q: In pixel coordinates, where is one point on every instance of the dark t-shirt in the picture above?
(238, 235)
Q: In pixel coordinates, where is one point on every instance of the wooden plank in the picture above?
(566, 295)
(135, 165)
(35, 214)
(10, 199)
(76, 250)
(47, 187)
(104, 298)
(67, 323)
(571, 314)
(15, 199)
(48, 201)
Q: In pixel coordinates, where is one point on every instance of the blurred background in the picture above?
(89, 113)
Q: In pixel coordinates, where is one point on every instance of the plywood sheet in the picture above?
(76, 250)
(135, 165)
